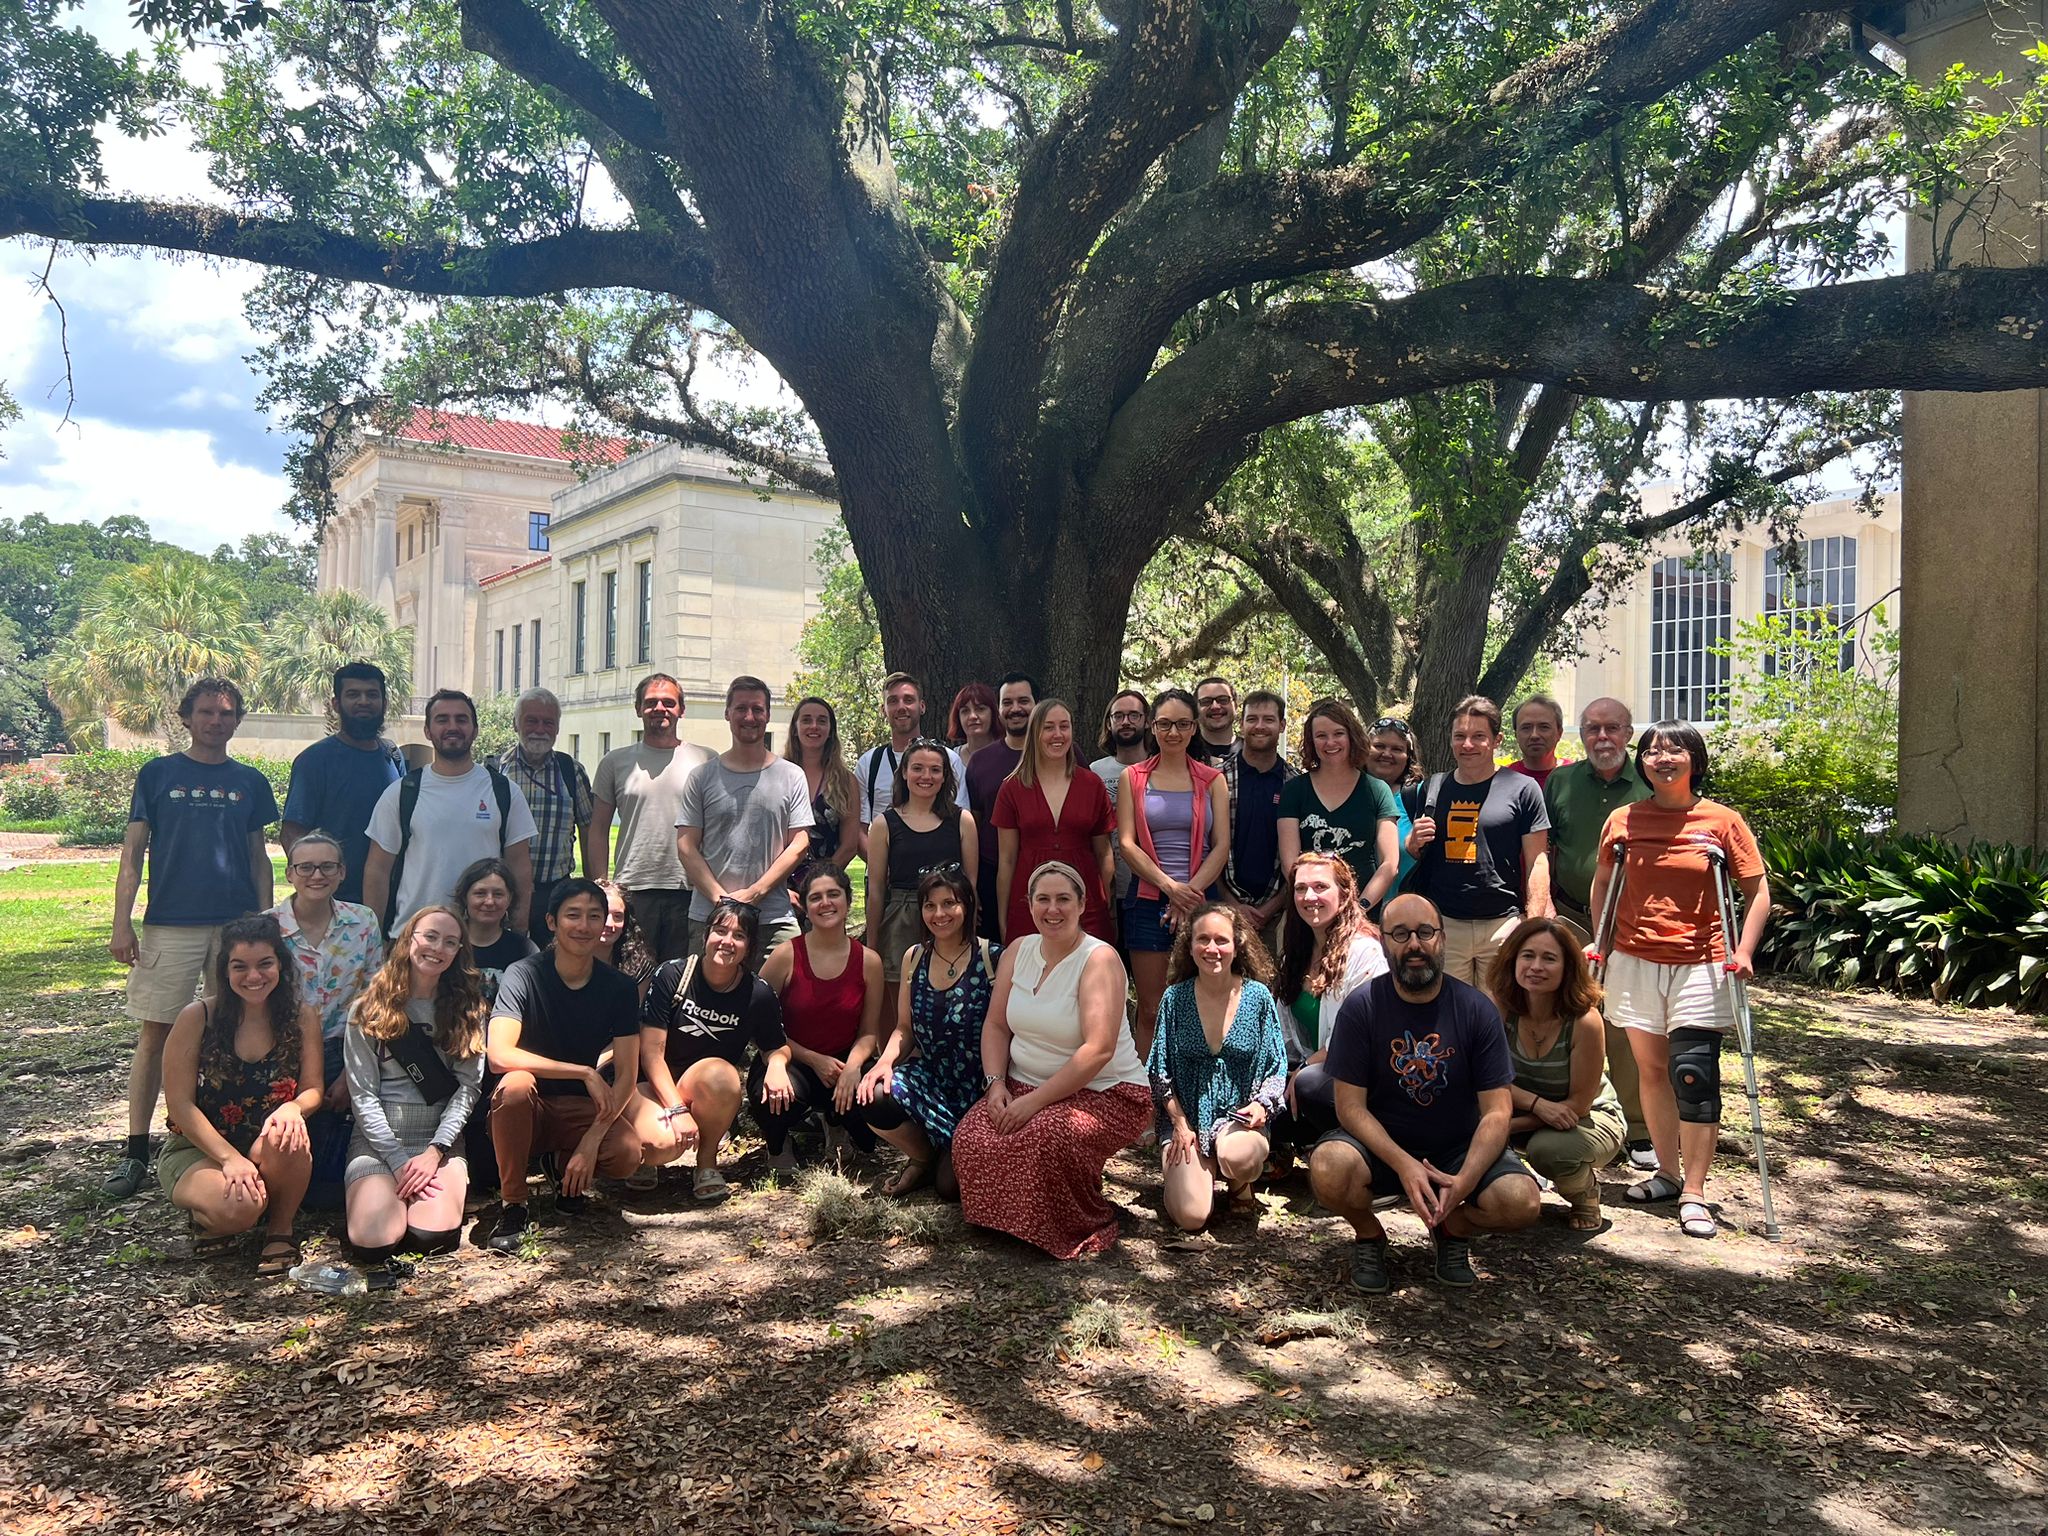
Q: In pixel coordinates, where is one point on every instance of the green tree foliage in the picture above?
(1039, 276)
(276, 572)
(1808, 744)
(144, 634)
(840, 650)
(305, 643)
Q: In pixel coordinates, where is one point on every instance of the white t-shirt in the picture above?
(646, 784)
(454, 824)
(879, 764)
(745, 819)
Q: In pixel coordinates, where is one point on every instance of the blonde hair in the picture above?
(459, 1007)
(1026, 771)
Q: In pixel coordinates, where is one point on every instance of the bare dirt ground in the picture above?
(662, 1367)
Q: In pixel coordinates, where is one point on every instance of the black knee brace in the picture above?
(1696, 1075)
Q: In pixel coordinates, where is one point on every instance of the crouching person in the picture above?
(241, 1073)
(414, 1053)
(565, 1033)
(1423, 1081)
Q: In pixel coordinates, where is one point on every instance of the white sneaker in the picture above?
(709, 1184)
(1642, 1155)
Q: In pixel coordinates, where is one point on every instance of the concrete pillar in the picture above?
(451, 595)
(1973, 695)
(383, 587)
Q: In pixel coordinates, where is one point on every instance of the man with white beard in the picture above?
(1579, 797)
(557, 791)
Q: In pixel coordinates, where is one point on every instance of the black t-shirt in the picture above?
(494, 960)
(704, 1022)
(563, 1023)
(1474, 868)
(1422, 1065)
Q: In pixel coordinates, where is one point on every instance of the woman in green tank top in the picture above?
(1567, 1121)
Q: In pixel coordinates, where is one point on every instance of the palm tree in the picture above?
(304, 644)
(146, 632)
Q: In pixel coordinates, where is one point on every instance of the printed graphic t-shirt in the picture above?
(200, 816)
(1475, 866)
(1422, 1065)
(703, 1022)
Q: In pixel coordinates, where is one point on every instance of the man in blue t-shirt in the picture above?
(199, 817)
(1422, 1074)
(337, 781)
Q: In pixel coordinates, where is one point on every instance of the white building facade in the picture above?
(518, 564)
(1655, 646)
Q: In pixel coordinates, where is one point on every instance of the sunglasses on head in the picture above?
(1388, 723)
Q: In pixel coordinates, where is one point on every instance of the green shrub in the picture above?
(98, 789)
(1911, 914)
(30, 794)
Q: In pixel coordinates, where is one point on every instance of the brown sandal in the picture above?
(278, 1257)
(915, 1175)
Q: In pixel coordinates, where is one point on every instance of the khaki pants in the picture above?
(1621, 1061)
(1470, 944)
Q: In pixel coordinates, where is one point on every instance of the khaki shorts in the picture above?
(1470, 943)
(171, 966)
(1641, 994)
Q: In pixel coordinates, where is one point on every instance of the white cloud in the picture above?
(91, 469)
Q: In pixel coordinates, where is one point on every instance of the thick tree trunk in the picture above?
(1451, 646)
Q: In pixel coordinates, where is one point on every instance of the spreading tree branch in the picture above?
(516, 35)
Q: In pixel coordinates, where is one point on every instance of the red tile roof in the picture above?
(525, 439)
(514, 570)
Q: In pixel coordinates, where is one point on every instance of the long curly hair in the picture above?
(459, 1009)
(1295, 975)
(1251, 959)
(283, 1002)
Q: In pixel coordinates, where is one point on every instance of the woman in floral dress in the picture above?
(915, 1103)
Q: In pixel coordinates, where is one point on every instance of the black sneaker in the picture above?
(126, 1178)
(552, 1164)
(1454, 1261)
(1369, 1267)
(512, 1226)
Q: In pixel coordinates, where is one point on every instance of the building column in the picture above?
(383, 584)
(451, 595)
(1973, 685)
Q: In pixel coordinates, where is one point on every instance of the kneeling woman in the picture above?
(928, 1075)
(1218, 1065)
(1567, 1123)
(241, 1073)
(415, 1054)
(1066, 1090)
(701, 1014)
(830, 988)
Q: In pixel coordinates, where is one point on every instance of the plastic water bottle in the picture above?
(330, 1279)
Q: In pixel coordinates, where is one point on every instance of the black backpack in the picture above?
(408, 801)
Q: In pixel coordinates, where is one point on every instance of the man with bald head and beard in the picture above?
(1580, 796)
(1422, 1072)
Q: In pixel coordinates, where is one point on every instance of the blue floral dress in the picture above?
(943, 1080)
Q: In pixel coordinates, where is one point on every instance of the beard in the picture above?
(1417, 972)
(443, 749)
(535, 749)
(363, 727)
(1608, 762)
(1126, 735)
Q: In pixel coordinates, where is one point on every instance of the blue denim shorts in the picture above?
(1144, 923)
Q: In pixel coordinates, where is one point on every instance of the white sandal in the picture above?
(709, 1184)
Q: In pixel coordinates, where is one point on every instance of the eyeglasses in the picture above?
(1423, 931)
(1128, 716)
(1174, 726)
(310, 870)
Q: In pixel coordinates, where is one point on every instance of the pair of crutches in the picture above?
(1745, 1028)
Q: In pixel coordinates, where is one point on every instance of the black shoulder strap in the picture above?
(874, 769)
(408, 801)
(415, 1054)
(501, 787)
(565, 765)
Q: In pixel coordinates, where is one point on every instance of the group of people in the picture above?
(1188, 937)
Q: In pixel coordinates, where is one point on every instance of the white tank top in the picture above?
(1045, 1024)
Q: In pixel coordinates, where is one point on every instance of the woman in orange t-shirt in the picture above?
(1670, 969)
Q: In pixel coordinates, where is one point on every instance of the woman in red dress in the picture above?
(1051, 810)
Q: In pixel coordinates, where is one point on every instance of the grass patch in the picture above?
(1094, 1324)
(835, 1207)
(54, 923)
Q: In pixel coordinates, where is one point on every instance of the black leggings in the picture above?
(809, 1096)
(1315, 1107)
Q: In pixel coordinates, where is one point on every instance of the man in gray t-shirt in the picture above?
(744, 823)
(642, 783)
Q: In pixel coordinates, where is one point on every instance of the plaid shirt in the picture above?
(557, 817)
(1232, 886)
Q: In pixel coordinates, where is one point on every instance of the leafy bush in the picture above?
(98, 789)
(30, 794)
(1809, 745)
(1913, 915)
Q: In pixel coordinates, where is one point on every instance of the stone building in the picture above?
(520, 556)
(1654, 648)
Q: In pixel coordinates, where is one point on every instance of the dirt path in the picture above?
(661, 1367)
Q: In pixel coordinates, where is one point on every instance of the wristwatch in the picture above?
(444, 1149)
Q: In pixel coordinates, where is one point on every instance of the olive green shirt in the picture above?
(1579, 802)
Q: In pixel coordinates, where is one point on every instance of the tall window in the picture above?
(518, 644)
(537, 530)
(536, 653)
(610, 649)
(643, 635)
(1812, 583)
(1692, 604)
(498, 673)
(579, 615)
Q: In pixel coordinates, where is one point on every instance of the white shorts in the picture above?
(1641, 994)
(172, 963)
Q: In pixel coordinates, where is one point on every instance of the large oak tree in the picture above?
(1040, 274)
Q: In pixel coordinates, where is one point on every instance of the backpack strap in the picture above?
(408, 801)
(501, 787)
(875, 769)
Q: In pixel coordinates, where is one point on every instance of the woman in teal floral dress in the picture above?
(915, 1103)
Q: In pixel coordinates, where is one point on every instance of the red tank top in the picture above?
(824, 1016)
